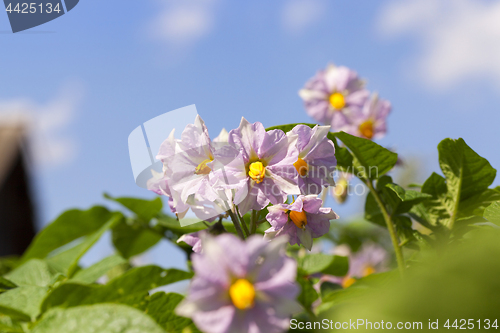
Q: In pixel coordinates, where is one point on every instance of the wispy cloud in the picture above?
(181, 23)
(50, 144)
(298, 15)
(459, 39)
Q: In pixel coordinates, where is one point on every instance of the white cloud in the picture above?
(49, 145)
(181, 23)
(298, 15)
(459, 39)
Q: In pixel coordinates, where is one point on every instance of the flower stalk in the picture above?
(237, 224)
(390, 227)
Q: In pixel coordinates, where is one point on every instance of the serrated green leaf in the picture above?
(143, 209)
(22, 303)
(138, 280)
(68, 227)
(131, 240)
(324, 263)
(492, 213)
(370, 160)
(94, 272)
(161, 308)
(102, 318)
(66, 262)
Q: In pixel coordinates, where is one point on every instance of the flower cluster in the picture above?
(336, 96)
(248, 169)
(248, 283)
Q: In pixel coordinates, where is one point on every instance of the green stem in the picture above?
(236, 223)
(242, 221)
(390, 227)
(253, 222)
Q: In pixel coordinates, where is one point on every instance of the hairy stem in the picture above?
(390, 227)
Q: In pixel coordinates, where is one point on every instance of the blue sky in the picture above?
(87, 79)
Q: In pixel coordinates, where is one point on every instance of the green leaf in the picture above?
(307, 294)
(492, 213)
(94, 272)
(288, 127)
(7, 324)
(176, 230)
(66, 262)
(102, 318)
(68, 227)
(131, 240)
(476, 205)
(8, 263)
(373, 212)
(324, 263)
(343, 155)
(22, 303)
(143, 209)
(135, 281)
(408, 197)
(463, 194)
(161, 308)
(6, 284)
(35, 272)
(370, 160)
(328, 287)
(467, 174)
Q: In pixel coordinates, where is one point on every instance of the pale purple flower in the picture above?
(370, 259)
(316, 162)
(333, 94)
(263, 171)
(241, 287)
(371, 121)
(187, 177)
(192, 239)
(301, 221)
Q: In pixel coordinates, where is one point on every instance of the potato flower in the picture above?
(316, 162)
(264, 171)
(371, 121)
(333, 95)
(241, 286)
(301, 221)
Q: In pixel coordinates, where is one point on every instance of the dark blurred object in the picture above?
(16, 207)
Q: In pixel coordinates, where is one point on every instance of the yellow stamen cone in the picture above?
(242, 294)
